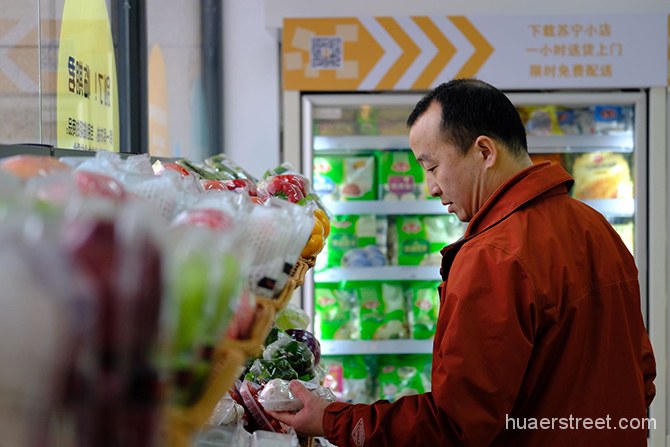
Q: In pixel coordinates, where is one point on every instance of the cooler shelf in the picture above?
(385, 273)
(382, 207)
(349, 347)
(608, 207)
(536, 143)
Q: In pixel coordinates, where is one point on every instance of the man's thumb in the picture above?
(299, 391)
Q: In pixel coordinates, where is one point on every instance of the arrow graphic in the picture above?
(391, 53)
(445, 52)
(410, 51)
(428, 51)
(483, 48)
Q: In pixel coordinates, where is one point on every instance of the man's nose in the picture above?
(433, 189)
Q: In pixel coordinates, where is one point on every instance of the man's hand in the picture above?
(309, 420)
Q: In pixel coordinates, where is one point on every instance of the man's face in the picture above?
(453, 177)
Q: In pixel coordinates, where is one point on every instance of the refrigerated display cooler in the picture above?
(350, 143)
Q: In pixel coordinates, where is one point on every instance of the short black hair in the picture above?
(471, 108)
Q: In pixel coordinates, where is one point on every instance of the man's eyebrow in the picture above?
(422, 158)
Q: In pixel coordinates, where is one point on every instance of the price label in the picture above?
(87, 97)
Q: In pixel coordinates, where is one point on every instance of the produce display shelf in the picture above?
(351, 347)
(385, 273)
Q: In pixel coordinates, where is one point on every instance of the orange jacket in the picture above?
(539, 325)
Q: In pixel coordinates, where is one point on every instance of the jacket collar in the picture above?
(529, 184)
(542, 179)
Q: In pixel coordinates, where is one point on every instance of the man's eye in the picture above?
(431, 170)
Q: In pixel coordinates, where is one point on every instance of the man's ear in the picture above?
(487, 149)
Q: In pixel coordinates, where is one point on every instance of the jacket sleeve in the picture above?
(483, 342)
(648, 369)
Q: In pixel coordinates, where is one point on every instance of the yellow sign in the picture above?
(381, 53)
(531, 52)
(159, 139)
(87, 97)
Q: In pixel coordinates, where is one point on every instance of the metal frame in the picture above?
(212, 71)
(659, 251)
(129, 22)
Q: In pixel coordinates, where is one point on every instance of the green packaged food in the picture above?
(345, 177)
(382, 309)
(423, 300)
(401, 177)
(417, 240)
(357, 241)
(336, 313)
(402, 375)
(349, 377)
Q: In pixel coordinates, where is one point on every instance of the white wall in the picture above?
(251, 87)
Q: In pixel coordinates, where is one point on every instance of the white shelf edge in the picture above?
(608, 207)
(371, 142)
(386, 207)
(580, 143)
(402, 346)
(613, 207)
(385, 273)
(536, 143)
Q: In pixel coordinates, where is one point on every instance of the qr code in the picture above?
(326, 52)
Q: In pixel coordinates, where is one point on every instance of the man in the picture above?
(540, 339)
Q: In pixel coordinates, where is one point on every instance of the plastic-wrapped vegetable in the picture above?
(298, 355)
(223, 436)
(25, 166)
(261, 438)
(262, 370)
(277, 396)
(121, 259)
(249, 393)
(291, 317)
(226, 412)
(204, 279)
(222, 164)
(309, 340)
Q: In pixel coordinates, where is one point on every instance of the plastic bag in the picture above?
(291, 317)
(45, 312)
(277, 396)
(226, 412)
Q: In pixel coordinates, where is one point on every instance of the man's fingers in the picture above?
(282, 416)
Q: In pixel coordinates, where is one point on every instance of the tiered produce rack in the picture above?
(175, 422)
(181, 423)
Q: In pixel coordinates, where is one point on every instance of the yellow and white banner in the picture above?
(418, 53)
(87, 97)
